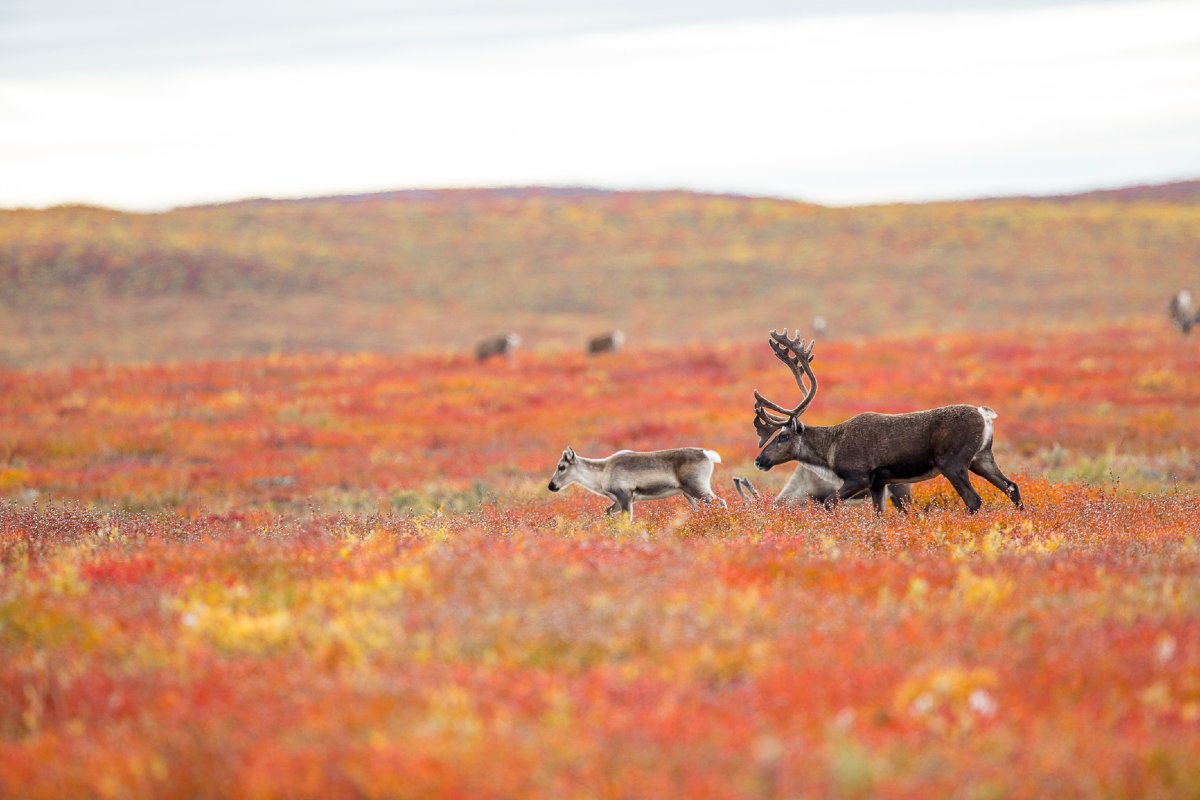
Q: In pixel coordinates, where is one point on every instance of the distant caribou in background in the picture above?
(606, 343)
(1183, 313)
(504, 345)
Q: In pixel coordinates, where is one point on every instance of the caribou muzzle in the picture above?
(553, 487)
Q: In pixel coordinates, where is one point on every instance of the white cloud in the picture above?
(830, 108)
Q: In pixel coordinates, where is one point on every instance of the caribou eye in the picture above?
(561, 467)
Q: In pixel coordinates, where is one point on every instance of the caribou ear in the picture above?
(796, 425)
(569, 454)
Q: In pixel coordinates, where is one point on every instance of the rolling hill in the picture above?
(435, 270)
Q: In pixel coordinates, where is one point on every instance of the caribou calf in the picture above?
(626, 476)
(811, 483)
(869, 451)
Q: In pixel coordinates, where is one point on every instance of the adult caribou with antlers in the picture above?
(869, 451)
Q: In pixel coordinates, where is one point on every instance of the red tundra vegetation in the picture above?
(341, 576)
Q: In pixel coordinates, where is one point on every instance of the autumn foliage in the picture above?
(531, 650)
(341, 576)
(433, 271)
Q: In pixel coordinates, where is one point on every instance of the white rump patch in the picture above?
(988, 428)
(713, 456)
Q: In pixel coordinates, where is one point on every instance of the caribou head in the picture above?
(788, 445)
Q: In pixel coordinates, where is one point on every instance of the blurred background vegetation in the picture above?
(436, 270)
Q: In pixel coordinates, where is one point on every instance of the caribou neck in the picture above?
(817, 444)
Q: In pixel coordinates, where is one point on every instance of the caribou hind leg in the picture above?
(713, 500)
(879, 496)
(901, 496)
(985, 467)
(699, 490)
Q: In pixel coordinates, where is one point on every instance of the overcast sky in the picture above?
(144, 105)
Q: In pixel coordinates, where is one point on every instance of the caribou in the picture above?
(504, 345)
(869, 451)
(626, 476)
(808, 483)
(606, 343)
(1183, 314)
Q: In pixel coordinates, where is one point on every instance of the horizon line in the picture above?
(571, 189)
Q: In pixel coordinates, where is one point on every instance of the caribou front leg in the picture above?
(624, 502)
(851, 486)
(617, 505)
(901, 496)
(985, 466)
(745, 489)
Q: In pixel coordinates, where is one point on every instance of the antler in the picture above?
(766, 424)
(796, 356)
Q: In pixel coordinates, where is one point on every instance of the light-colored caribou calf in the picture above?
(820, 485)
(627, 476)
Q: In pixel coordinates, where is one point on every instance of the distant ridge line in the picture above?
(1181, 191)
(483, 192)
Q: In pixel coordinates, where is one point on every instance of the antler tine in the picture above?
(791, 351)
(765, 423)
(769, 418)
(760, 402)
(794, 353)
(781, 343)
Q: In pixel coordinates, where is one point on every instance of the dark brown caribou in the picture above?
(869, 451)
